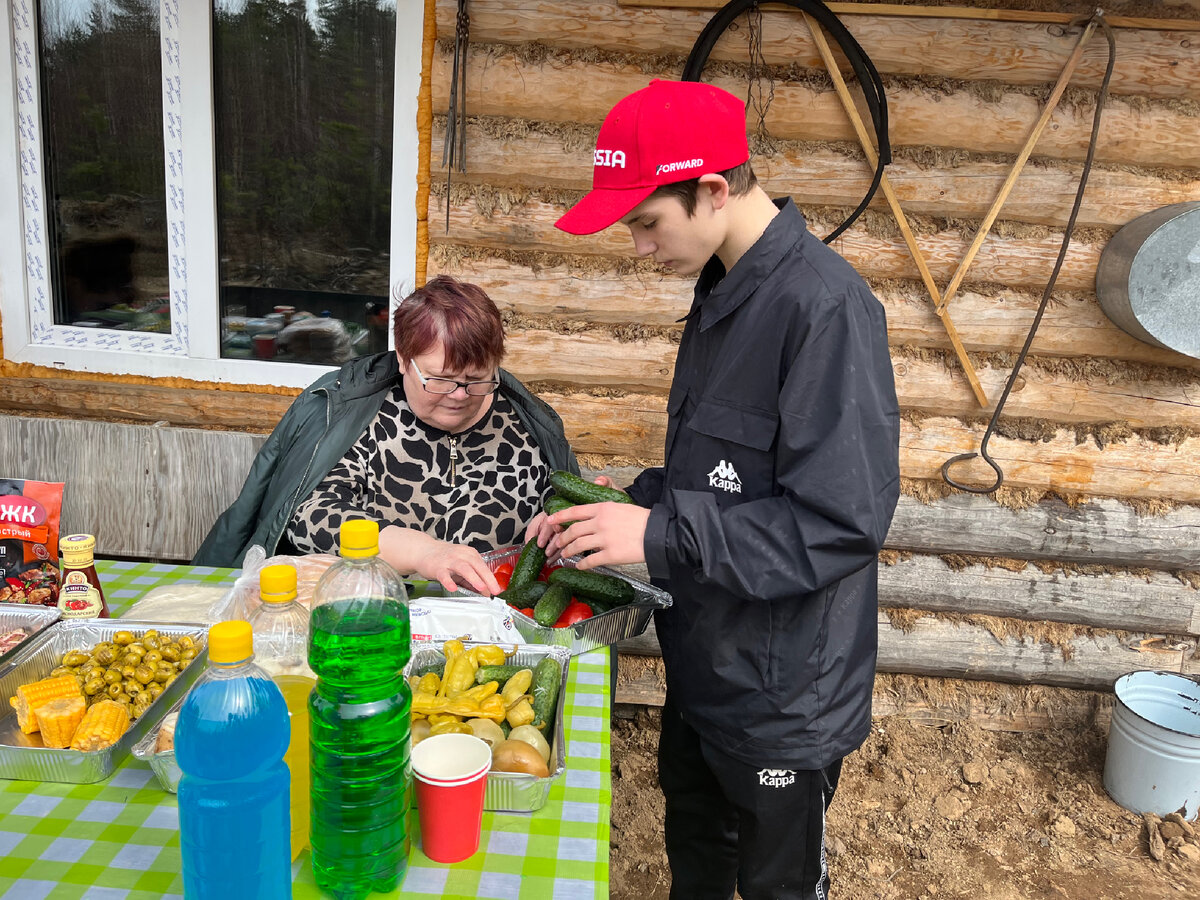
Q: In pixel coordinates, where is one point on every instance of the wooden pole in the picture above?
(1043, 120)
(910, 240)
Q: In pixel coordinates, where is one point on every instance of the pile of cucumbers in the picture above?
(549, 598)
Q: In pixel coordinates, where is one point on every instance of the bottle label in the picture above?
(77, 598)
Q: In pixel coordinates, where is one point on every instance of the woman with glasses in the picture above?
(449, 453)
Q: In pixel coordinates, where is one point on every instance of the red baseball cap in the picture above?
(668, 131)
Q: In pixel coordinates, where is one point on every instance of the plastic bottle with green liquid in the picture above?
(359, 642)
(280, 627)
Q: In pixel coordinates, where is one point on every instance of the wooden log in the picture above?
(143, 403)
(945, 649)
(1042, 194)
(992, 321)
(991, 706)
(1151, 63)
(1015, 262)
(1095, 533)
(1154, 602)
(1137, 468)
(931, 387)
(1099, 532)
(983, 13)
(501, 84)
(1120, 599)
(634, 425)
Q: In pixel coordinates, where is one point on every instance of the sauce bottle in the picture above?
(80, 596)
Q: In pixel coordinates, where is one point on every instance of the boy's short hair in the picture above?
(741, 180)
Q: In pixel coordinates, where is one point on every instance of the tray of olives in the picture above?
(145, 666)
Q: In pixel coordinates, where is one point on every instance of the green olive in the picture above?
(144, 673)
(136, 647)
(187, 654)
(128, 670)
(105, 655)
(154, 689)
(74, 658)
(170, 652)
(152, 657)
(186, 642)
(122, 697)
(113, 689)
(123, 638)
(94, 687)
(60, 670)
(151, 641)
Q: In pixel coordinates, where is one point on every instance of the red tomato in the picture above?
(503, 574)
(527, 611)
(575, 612)
(546, 570)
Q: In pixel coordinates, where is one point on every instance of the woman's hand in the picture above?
(452, 565)
(541, 529)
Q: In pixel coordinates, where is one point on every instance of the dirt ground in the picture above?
(937, 813)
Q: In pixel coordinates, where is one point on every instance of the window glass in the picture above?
(303, 106)
(101, 93)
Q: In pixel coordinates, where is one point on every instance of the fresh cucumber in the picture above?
(524, 597)
(529, 565)
(598, 607)
(594, 585)
(556, 503)
(484, 674)
(552, 604)
(580, 490)
(546, 678)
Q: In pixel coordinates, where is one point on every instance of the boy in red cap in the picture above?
(780, 478)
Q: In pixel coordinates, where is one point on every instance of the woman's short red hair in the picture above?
(458, 314)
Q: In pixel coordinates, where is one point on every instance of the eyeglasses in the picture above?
(449, 385)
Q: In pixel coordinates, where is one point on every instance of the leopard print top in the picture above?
(479, 487)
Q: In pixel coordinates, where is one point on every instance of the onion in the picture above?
(518, 756)
(487, 730)
(533, 738)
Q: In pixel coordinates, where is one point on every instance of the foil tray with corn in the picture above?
(82, 693)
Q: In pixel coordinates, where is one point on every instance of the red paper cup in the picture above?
(450, 771)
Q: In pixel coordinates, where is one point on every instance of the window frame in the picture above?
(192, 349)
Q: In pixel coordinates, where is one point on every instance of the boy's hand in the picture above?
(541, 529)
(614, 531)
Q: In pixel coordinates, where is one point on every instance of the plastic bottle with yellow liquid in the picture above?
(281, 649)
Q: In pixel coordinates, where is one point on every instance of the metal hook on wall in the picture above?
(1097, 18)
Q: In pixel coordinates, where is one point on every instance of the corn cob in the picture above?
(31, 696)
(58, 719)
(102, 726)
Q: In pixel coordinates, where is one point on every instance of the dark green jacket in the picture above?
(315, 433)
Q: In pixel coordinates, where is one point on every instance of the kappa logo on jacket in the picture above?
(725, 477)
(776, 778)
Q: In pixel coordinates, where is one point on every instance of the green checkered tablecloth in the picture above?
(119, 839)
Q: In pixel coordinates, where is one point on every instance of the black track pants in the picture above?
(731, 823)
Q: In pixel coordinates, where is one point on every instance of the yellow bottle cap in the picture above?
(277, 584)
(230, 642)
(359, 538)
(77, 549)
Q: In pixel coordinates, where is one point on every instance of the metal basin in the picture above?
(1148, 280)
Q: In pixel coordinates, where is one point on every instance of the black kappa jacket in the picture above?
(780, 480)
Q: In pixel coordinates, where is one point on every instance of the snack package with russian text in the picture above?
(29, 521)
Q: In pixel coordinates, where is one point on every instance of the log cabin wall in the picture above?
(1084, 565)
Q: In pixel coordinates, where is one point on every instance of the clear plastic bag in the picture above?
(242, 599)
